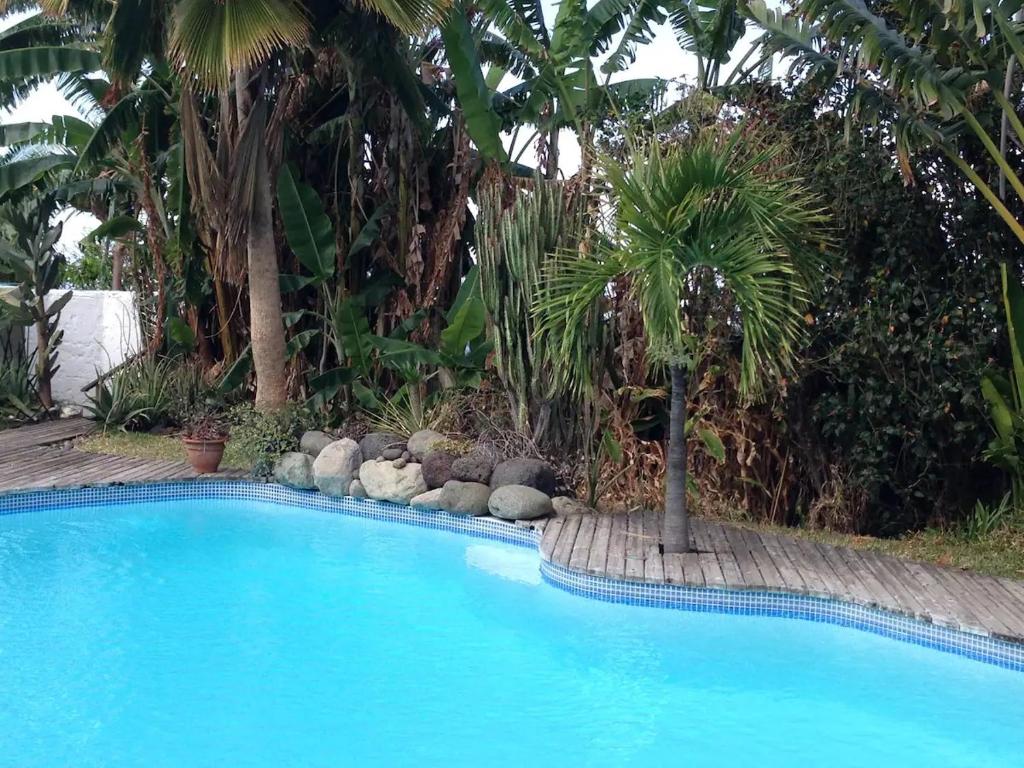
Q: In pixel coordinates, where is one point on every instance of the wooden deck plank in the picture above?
(654, 566)
(598, 559)
(744, 559)
(719, 546)
(815, 574)
(634, 546)
(956, 613)
(765, 563)
(580, 554)
(566, 540)
(880, 596)
(906, 597)
(711, 570)
(674, 573)
(693, 572)
(792, 577)
(615, 567)
(551, 533)
(852, 588)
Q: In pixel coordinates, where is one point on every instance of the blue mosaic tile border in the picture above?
(983, 648)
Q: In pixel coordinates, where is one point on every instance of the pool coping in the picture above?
(751, 602)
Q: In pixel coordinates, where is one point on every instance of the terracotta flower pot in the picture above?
(204, 455)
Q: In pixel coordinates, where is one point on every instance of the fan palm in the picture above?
(704, 238)
(220, 41)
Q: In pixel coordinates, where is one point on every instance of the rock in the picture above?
(337, 466)
(374, 444)
(380, 459)
(400, 462)
(461, 498)
(68, 411)
(519, 502)
(392, 453)
(356, 489)
(474, 467)
(428, 500)
(386, 482)
(437, 468)
(421, 442)
(530, 472)
(406, 455)
(295, 470)
(314, 441)
(567, 505)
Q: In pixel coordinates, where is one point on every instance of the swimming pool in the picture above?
(220, 631)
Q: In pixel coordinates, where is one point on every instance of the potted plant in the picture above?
(204, 436)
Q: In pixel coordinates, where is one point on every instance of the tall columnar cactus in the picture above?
(515, 235)
(37, 266)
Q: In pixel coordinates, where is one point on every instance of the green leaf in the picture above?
(611, 447)
(237, 373)
(404, 355)
(352, 330)
(47, 61)
(469, 322)
(181, 333)
(306, 225)
(470, 287)
(329, 383)
(291, 283)
(300, 341)
(115, 227)
(370, 231)
(20, 173)
(713, 444)
(482, 122)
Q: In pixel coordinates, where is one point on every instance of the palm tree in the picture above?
(238, 44)
(707, 242)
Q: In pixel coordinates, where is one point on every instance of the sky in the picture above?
(661, 58)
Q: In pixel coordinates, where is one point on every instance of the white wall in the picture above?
(101, 329)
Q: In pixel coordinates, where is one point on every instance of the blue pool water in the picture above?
(239, 633)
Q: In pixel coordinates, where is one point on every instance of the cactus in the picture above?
(514, 240)
(37, 267)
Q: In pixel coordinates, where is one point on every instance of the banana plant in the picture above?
(1004, 393)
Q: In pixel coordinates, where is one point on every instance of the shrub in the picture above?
(261, 437)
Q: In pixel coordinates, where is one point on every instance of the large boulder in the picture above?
(461, 498)
(337, 466)
(374, 444)
(314, 441)
(428, 500)
(475, 467)
(567, 505)
(421, 442)
(530, 472)
(295, 470)
(385, 482)
(519, 502)
(437, 468)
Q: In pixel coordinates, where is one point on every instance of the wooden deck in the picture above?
(623, 546)
(730, 557)
(39, 456)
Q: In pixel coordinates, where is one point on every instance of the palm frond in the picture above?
(212, 39)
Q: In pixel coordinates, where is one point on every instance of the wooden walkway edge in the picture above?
(729, 557)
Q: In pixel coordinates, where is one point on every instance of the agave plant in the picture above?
(705, 238)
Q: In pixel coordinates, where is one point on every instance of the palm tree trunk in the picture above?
(265, 316)
(677, 520)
